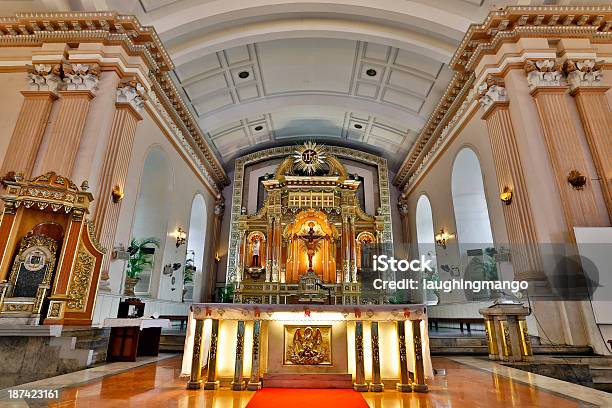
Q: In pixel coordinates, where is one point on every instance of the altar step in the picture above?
(277, 380)
(172, 341)
(477, 345)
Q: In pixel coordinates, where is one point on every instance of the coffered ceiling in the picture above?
(350, 72)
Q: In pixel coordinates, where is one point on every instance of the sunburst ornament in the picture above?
(310, 157)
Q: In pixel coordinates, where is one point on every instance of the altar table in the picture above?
(379, 346)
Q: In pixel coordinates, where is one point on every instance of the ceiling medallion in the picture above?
(310, 157)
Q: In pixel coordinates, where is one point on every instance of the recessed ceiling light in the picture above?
(371, 72)
(358, 126)
(243, 74)
(258, 128)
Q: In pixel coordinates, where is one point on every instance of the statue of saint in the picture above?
(255, 251)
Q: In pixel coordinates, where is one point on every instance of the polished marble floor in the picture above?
(464, 383)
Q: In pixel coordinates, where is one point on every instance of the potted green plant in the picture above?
(138, 261)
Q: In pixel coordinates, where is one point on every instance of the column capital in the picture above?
(492, 94)
(44, 77)
(81, 77)
(543, 73)
(583, 73)
(130, 92)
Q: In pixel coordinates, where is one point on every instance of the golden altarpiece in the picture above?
(304, 244)
(50, 258)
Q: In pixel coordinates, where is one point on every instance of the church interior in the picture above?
(272, 203)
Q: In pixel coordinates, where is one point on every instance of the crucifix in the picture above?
(311, 243)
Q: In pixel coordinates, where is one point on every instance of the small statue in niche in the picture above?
(255, 251)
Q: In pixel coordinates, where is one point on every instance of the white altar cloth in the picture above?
(142, 323)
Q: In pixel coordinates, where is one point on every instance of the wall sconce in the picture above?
(217, 257)
(506, 195)
(576, 179)
(181, 237)
(443, 237)
(117, 194)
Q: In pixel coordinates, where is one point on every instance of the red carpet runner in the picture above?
(306, 398)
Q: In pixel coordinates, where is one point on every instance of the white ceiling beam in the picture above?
(411, 41)
(278, 103)
(180, 18)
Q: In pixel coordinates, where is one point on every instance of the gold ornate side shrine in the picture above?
(50, 260)
(310, 228)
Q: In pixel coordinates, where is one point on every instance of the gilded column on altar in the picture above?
(419, 367)
(195, 380)
(211, 374)
(238, 383)
(360, 382)
(255, 381)
(376, 385)
(405, 384)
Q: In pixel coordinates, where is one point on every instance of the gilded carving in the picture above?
(81, 277)
(402, 348)
(213, 346)
(55, 309)
(239, 345)
(375, 349)
(307, 345)
(359, 347)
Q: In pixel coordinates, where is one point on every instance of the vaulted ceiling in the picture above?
(350, 72)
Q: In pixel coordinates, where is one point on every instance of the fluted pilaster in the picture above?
(28, 133)
(522, 235)
(596, 118)
(563, 144)
(114, 174)
(67, 130)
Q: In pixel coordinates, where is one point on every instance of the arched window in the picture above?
(470, 203)
(194, 263)
(151, 216)
(426, 242)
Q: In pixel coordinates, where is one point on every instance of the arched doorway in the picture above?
(470, 203)
(151, 216)
(426, 242)
(194, 261)
(474, 235)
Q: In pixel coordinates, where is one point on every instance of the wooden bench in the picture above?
(176, 318)
(434, 321)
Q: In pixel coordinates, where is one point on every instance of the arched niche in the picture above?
(151, 215)
(426, 242)
(470, 203)
(196, 242)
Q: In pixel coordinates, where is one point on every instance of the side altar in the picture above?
(305, 243)
(368, 348)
